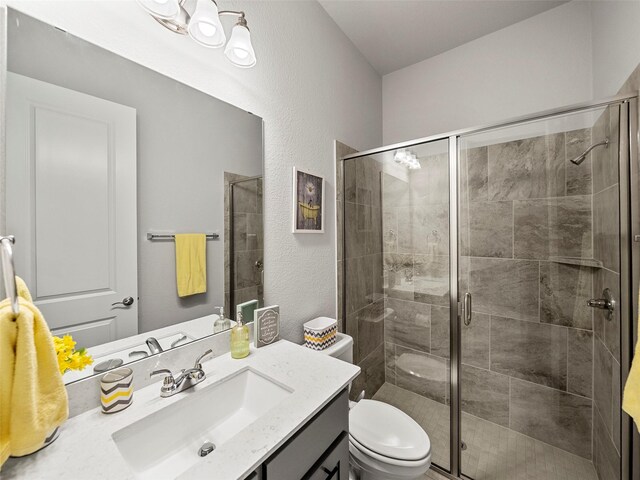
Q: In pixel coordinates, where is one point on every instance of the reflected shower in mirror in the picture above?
(108, 164)
(243, 246)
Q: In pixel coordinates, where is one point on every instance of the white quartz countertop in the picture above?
(86, 449)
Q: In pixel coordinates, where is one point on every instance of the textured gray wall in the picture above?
(186, 140)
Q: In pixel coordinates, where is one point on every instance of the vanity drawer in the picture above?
(334, 464)
(302, 451)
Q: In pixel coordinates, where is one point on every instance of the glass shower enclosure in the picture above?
(243, 247)
(487, 281)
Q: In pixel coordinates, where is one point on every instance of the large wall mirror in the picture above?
(107, 160)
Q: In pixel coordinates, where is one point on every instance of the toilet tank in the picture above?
(342, 349)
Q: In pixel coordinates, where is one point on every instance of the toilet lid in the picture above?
(388, 431)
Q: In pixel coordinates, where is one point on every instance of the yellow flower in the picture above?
(62, 363)
(68, 342)
(68, 358)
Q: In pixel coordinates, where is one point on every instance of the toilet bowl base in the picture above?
(363, 468)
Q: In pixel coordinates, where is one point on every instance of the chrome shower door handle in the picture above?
(126, 302)
(467, 309)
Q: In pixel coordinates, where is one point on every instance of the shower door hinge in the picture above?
(460, 309)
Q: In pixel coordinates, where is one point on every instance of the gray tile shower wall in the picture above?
(529, 351)
(550, 227)
(486, 394)
(528, 354)
(416, 274)
(410, 325)
(556, 417)
(505, 287)
(564, 291)
(421, 373)
(360, 264)
(524, 169)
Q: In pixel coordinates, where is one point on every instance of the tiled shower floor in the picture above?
(493, 452)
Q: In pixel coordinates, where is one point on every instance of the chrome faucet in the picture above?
(185, 379)
(154, 345)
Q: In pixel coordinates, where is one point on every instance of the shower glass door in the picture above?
(539, 236)
(396, 278)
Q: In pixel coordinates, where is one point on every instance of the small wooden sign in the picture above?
(266, 325)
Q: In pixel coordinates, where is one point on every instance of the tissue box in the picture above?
(320, 333)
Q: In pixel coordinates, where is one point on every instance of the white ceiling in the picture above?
(393, 34)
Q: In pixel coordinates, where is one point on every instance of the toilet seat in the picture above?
(387, 434)
(368, 456)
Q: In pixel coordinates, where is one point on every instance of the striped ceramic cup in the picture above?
(116, 390)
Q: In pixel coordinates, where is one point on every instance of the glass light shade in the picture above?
(205, 27)
(239, 50)
(165, 9)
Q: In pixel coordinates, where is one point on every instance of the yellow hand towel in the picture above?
(33, 398)
(191, 263)
(631, 397)
(23, 290)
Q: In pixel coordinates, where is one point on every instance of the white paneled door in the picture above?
(71, 203)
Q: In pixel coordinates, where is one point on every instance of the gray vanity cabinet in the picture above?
(318, 451)
(334, 464)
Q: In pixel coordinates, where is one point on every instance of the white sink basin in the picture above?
(166, 443)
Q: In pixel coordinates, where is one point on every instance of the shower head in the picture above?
(580, 158)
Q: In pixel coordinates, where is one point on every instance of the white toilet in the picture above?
(384, 442)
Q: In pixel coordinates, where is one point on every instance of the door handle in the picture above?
(607, 302)
(467, 309)
(126, 302)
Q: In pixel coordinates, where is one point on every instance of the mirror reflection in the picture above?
(135, 200)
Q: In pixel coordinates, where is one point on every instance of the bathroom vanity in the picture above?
(281, 413)
(298, 457)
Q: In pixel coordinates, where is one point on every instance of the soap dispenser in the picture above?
(239, 338)
(221, 324)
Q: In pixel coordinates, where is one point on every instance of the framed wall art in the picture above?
(308, 202)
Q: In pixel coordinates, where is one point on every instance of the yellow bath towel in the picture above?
(23, 290)
(631, 397)
(33, 398)
(191, 263)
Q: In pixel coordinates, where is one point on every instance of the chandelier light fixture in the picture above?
(200, 19)
(407, 158)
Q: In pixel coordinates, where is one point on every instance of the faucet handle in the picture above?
(207, 355)
(168, 379)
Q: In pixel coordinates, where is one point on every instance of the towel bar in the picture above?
(9, 272)
(171, 236)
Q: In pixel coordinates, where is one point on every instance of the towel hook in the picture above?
(9, 272)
